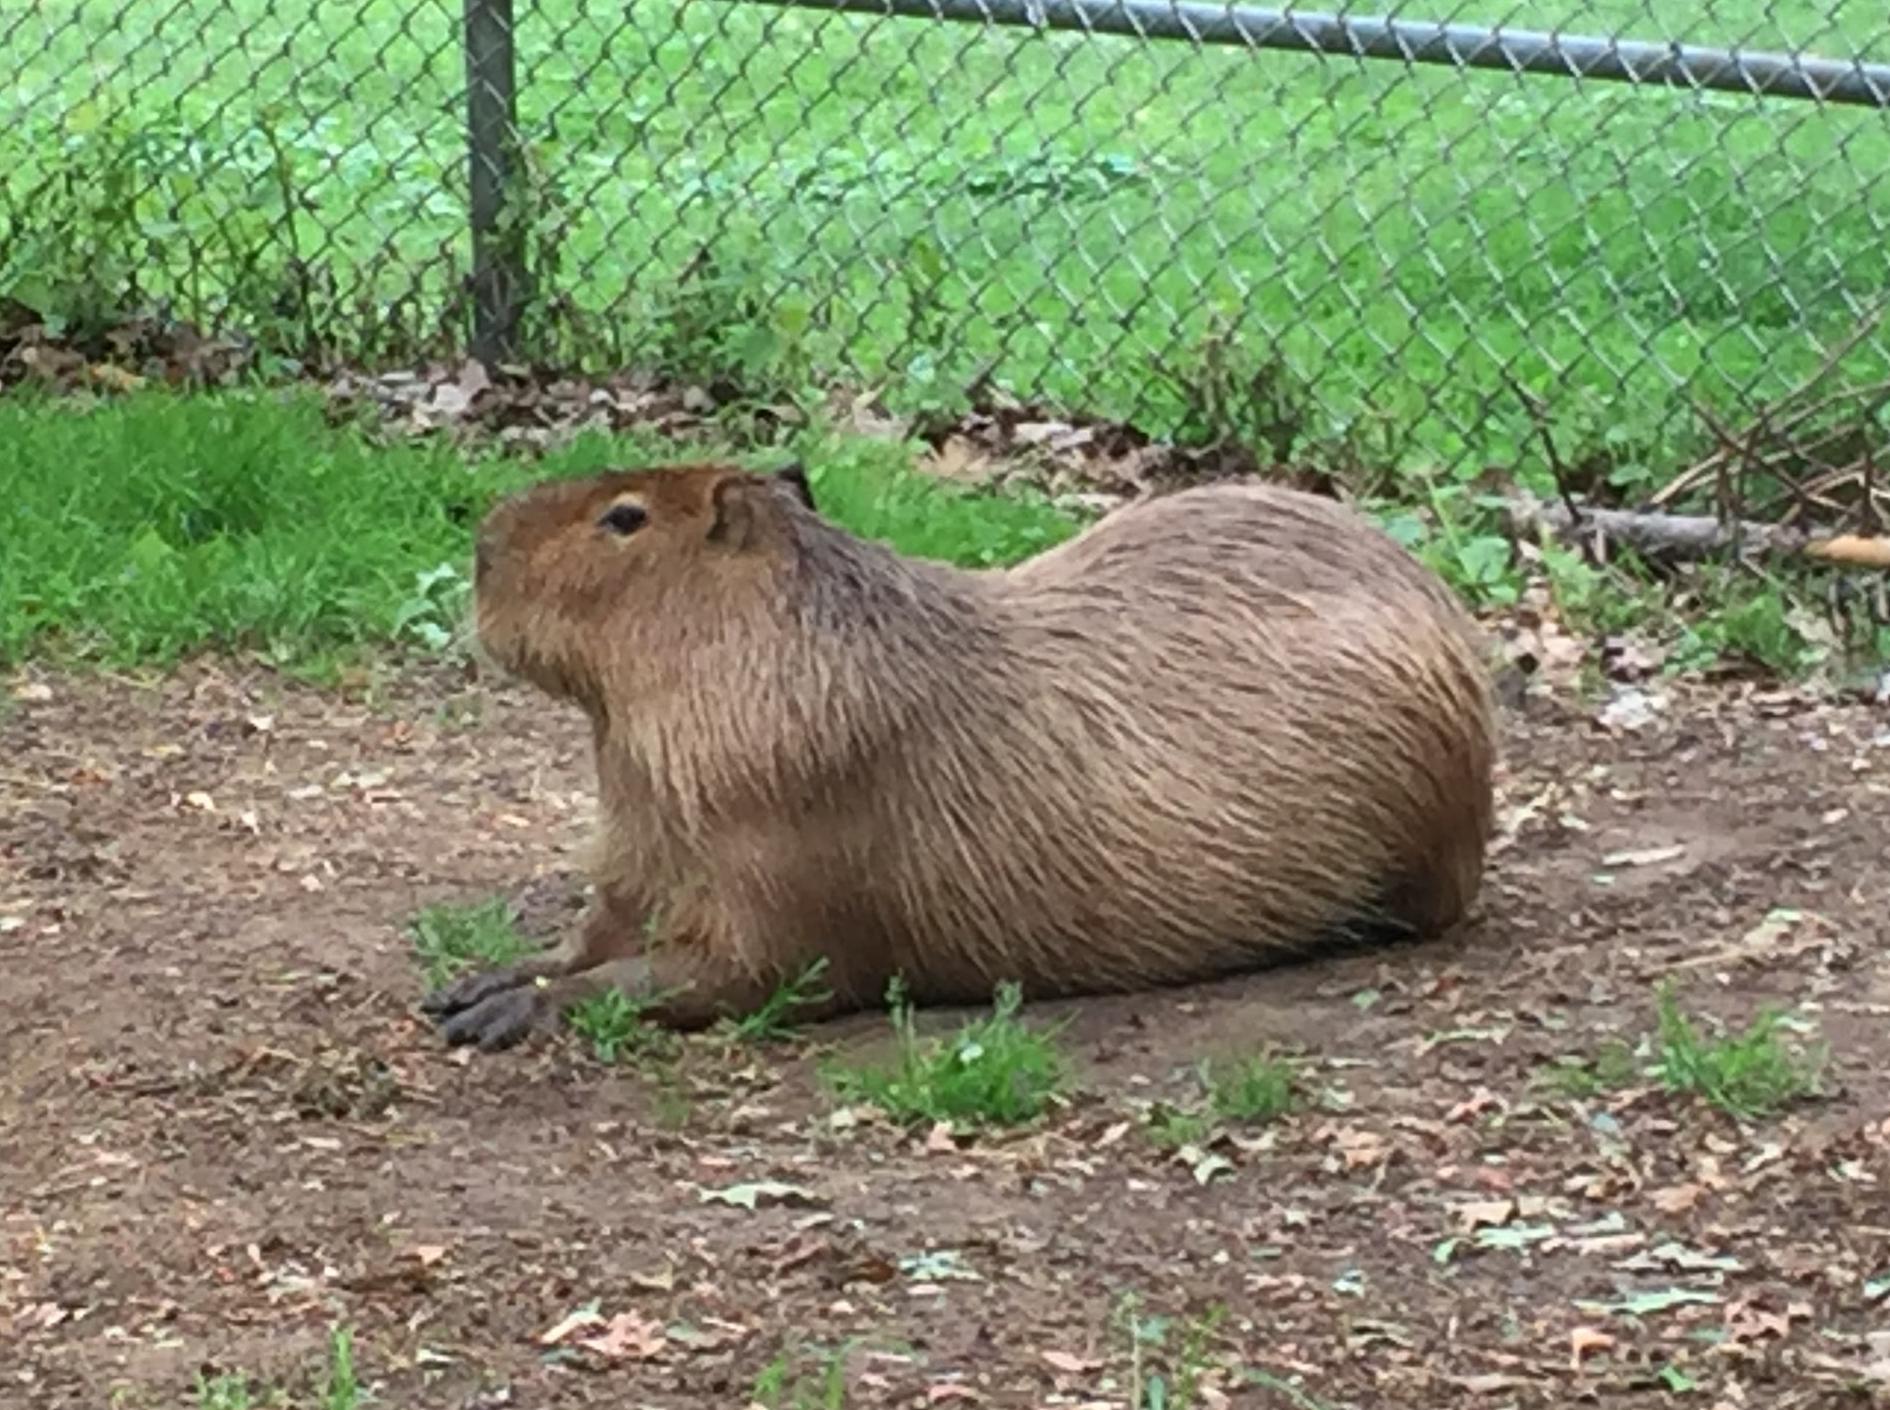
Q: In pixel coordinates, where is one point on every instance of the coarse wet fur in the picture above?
(1216, 729)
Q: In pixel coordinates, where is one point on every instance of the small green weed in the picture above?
(613, 1024)
(344, 1389)
(229, 1391)
(1247, 1090)
(1289, 1390)
(1251, 1089)
(1612, 1067)
(771, 1023)
(450, 939)
(1747, 1075)
(340, 1387)
(1462, 542)
(781, 1386)
(1594, 599)
(1172, 1127)
(995, 1070)
(1740, 617)
(1158, 1381)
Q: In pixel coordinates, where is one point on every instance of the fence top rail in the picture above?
(1853, 82)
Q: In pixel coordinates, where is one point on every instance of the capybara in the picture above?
(1216, 728)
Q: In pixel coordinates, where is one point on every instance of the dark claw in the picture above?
(471, 989)
(496, 1022)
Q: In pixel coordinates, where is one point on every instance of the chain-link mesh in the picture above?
(1309, 251)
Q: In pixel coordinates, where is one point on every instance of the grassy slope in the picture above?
(1078, 211)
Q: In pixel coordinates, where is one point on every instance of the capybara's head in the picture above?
(572, 576)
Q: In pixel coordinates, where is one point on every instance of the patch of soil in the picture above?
(226, 1129)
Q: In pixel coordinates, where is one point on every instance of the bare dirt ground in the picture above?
(226, 1130)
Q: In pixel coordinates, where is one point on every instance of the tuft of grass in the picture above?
(343, 1391)
(783, 1386)
(1173, 1127)
(340, 1387)
(613, 1024)
(773, 1022)
(1251, 1089)
(229, 1391)
(1747, 1075)
(1161, 1378)
(995, 1070)
(449, 939)
(1611, 1067)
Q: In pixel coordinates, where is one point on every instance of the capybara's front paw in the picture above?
(472, 989)
(498, 1020)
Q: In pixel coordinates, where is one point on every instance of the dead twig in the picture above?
(1696, 536)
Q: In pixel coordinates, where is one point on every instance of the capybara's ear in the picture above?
(738, 501)
(794, 476)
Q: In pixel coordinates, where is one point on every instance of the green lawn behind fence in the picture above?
(921, 202)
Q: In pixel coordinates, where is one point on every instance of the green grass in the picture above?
(782, 1385)
(996, 1070)
(1165, 1371)
(1749, 1075)
(613, 1024)
(449, 940)
(774, 1021)
(1697, 616)
(1612, 1067)
(229, 1391)
(142, 529)
(1250, 1090)
(1174, 1127)
(925, 202)
(340, 1387)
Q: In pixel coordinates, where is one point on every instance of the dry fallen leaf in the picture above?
(756, 1193)
(1478, 1102)
(950, 1390)
(1647, 857)
(1481, 1213)
(1489, 1383)
(628, 1336)
(1584, 1340)
(1068, 1364)
(1676, 1199)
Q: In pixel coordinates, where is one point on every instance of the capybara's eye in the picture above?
(623, 519)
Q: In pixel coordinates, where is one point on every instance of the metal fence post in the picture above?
(498, 273)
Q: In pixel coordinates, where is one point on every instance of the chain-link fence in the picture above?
(1415, 241)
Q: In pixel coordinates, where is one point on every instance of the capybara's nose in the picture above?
(482, 557)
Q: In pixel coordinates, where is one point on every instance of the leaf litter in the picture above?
(541, 1194)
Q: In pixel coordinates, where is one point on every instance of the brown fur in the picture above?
(1216, 728)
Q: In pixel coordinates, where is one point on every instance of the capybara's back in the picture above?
(1218, 727)
(1222, 726)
